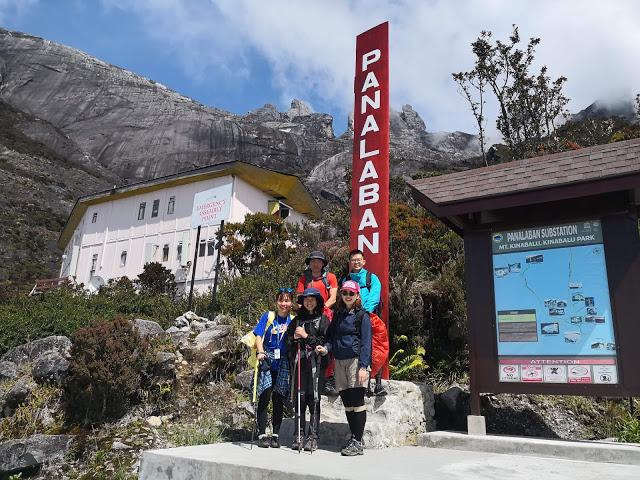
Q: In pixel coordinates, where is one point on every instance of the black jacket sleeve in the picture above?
(291, 346)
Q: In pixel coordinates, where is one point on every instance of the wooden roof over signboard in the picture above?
(560, 176)
(280, 185)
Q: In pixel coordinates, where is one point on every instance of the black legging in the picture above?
(278, 409)
(353, 401)
(307, 402)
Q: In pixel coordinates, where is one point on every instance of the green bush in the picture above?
(65, 310)
(628, 429)
(156, 279)
(407, 365)
(108, 365)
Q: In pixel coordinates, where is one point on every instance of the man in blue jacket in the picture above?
(370, 289)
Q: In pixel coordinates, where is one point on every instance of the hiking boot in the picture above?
(346, 444)
(311, 443)
(329, 387)
(264, 441)
(295, 445)
(354, 448)
(379, 391)
(275, 441)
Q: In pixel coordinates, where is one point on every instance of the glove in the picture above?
(265, 364)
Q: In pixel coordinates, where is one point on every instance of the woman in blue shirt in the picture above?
(273, 382)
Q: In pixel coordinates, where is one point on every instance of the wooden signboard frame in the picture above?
(614, 200)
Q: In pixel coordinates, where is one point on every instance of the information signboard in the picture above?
(553, 312)
(212, 206)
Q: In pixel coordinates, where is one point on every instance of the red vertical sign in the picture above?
(370, 182)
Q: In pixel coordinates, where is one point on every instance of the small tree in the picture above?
(155, 279)
(638, 106)
(472, 86)
(257, 240)
(528, 104)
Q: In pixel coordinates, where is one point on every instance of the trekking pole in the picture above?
(316, 411)
(299, 436)
(254, 403)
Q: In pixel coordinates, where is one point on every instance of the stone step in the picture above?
(225, 461)
(604, 452)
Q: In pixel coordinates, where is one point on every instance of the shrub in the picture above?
(204, 430)
(628, 429)
(106, 371)
(65, 310)
(407, 365)
(155, 279)
(29, 418)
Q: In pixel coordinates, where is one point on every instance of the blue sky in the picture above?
(240, 54)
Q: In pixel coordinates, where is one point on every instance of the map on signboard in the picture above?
(551, 292)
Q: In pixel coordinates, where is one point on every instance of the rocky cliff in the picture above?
(86, 125)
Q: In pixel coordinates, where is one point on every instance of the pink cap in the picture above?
(351, 286)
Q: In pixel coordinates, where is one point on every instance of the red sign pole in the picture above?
(370, 182)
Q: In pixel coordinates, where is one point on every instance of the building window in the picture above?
(123, 258)
(211, 246)
(202, 248)
(94, 218)
(278, 208)
(179, 252)
(155, 208)
(143, 205)
(165, 253)
(94, 264)
(172, 205)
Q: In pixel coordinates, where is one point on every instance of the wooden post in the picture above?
(195, 264)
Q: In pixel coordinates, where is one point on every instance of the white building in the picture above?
(114, 233)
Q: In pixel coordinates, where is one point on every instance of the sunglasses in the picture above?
(285, 290)
(347, 293)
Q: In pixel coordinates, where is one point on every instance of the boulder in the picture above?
(181, 321)
(206, 338)
(392, 420)
(222, 319)
(164, 364)
(50, 367)
(451, 398)
(198, 326)
(147, 328)
(18, 393)
(32, 350)
(27, 455)
(191, 316)
(8, 370)
(244, 380)
(452, 408)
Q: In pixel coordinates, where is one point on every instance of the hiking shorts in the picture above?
(346, 374)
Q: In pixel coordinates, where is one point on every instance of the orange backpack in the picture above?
(379, 341)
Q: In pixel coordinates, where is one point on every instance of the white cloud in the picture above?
(310, 45)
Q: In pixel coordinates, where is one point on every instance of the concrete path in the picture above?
(237, 461)
(587, 451)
